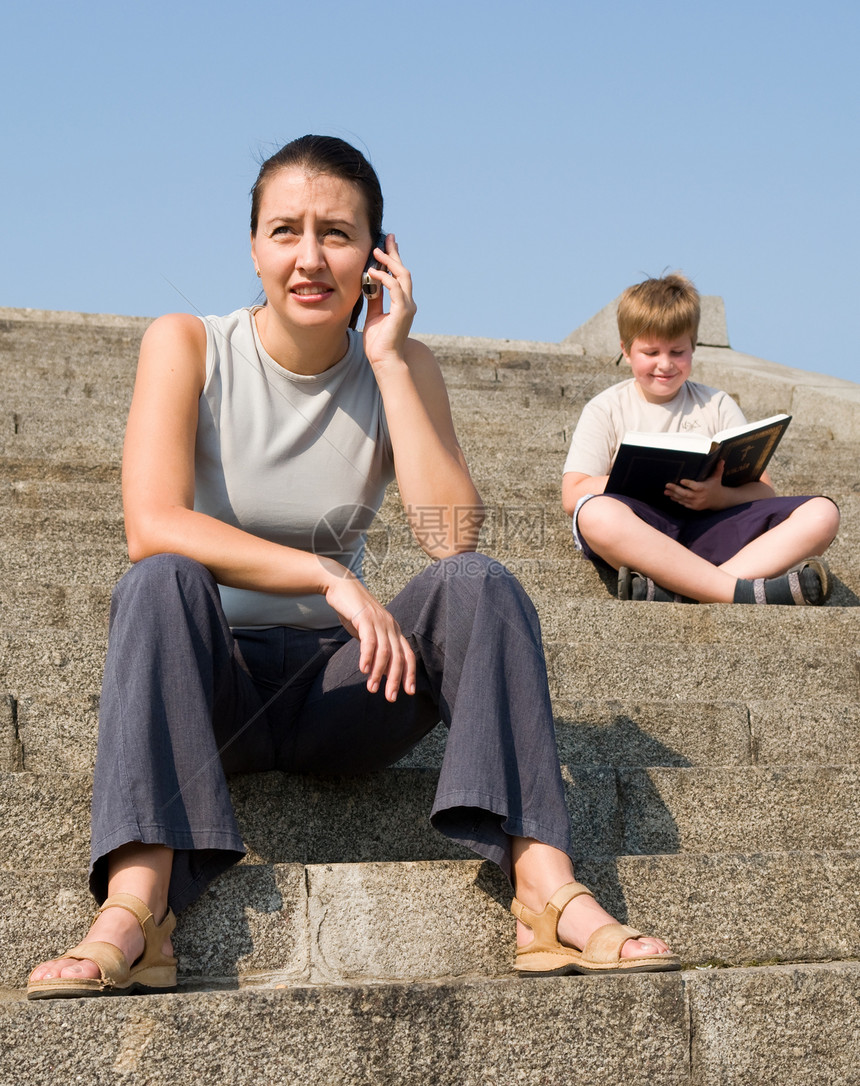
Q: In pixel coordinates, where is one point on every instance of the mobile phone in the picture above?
(371, 287)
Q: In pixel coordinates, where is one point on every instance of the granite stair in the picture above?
(709, 753)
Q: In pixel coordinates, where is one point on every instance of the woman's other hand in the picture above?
(385, 652)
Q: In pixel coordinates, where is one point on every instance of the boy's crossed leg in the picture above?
(614, 532)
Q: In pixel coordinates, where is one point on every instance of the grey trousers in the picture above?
(186, 700)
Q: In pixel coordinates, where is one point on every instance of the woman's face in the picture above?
(311, 246)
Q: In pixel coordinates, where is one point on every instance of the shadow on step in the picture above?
(224, 933)
(843, 596)
(612, 734)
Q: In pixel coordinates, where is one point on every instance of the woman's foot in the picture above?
(116, 926)
(588, 941)
(580, 918)
(560, 927)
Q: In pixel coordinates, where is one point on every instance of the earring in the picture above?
(258, 274)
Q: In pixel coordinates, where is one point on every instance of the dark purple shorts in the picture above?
(713, 536)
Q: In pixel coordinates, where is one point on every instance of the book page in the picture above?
(682, 441)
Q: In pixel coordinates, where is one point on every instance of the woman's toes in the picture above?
(638, 948)
(84, 968)
(65, 967)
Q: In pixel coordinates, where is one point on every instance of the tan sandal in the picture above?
(601, 953)
(153, 971)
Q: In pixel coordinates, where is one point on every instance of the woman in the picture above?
(258, 449)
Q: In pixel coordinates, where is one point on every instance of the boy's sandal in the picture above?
(821, 570)
(625, 582)
(636, 586)
(810, 582)
(153, 971)
(601, 953)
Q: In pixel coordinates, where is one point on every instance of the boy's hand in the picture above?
(708, 494)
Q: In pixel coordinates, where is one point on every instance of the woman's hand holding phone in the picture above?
(385, 334)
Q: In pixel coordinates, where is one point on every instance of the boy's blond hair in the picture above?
(666, 308)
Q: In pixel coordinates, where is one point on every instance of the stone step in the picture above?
(537, 417)
(707, 733)
(80, 601)
(524, 518)
(651, 671)
(40, 661)
(11, 753)
(338, 923)
(539, 551)
(80, 595)
(54, 733)
(79, 553)
(59, 353)
(497, 471)
(541, 409)
(18, 474)
(523, 512)
(31, 487)
(35, 577)
(806, 732)
(55, 662)
(56, 353)
(57, 734)
(676, 1029)
(81, 448)
(383, 817)
(496, 466)
(614, 622)
(444, 1034)
(61, 607)
(496, 434)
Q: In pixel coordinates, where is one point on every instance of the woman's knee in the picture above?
(471, 577)
(472, 574)
(160, 573)
(470, 564)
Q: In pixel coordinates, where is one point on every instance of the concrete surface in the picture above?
(709, 753)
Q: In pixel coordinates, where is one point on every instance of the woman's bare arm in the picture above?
(444, 508)
(158, 498)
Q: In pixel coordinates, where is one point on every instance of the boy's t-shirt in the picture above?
(617, 410)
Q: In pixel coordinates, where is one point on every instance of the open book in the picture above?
(647, 462)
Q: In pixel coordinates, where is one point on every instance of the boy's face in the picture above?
(660, 366)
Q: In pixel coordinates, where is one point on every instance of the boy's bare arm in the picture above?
(575, 485)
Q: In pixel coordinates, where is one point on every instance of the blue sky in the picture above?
(535, 159)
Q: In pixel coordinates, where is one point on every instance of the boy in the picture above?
(724, 544)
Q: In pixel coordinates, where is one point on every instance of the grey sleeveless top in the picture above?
(299, 460)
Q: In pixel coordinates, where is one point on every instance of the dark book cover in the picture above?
(647, 462)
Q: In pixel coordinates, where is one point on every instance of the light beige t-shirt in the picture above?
(617, 410)
(299, 460)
